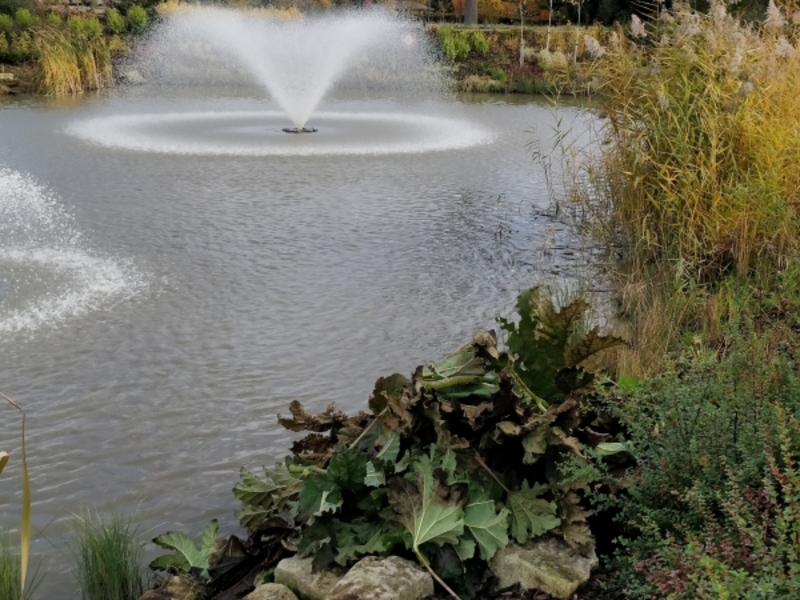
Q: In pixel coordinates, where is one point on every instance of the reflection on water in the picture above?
(215, 289)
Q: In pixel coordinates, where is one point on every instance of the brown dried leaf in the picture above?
(303, 421)
(574, 527)
(586, 353)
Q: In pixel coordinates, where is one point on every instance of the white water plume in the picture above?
(46, 273)
(296, 61)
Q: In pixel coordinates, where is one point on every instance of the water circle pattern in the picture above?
(47, 275)
(261, 133)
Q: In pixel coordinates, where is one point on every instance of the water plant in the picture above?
(449, 464)
(108, 559)
(187, 556)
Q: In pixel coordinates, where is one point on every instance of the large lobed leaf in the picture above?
(430, 511)
(531, 515)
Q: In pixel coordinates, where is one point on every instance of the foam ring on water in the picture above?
(260, 133)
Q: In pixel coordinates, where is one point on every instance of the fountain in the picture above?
(378, 65)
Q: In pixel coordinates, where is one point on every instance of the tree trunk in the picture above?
(470, 12)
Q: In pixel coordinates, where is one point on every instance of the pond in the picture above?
(160, 306)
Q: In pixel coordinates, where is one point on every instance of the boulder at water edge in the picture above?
(271, 591)
(296, 574)
(547, 564)
(390, 578)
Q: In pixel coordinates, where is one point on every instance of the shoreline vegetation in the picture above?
(667, 445)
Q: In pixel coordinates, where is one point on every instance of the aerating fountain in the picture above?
(381, 66)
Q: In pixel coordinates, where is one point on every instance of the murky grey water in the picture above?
(161, 309)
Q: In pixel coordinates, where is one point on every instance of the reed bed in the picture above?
(701, 145)
(70, 62)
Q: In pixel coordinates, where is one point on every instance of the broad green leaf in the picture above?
(430, 512)
(170, 562)
(209, 537)
(488, 527)
(185, 547)
(318, 496)
(348, 468)
(531, 516)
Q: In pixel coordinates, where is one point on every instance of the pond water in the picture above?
(160, 306)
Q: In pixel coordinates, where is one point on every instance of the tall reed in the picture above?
(71, 62)
(701, 143)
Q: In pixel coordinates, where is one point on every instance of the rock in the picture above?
(547, 564)
(295, 573)
(391, 578)
(176, 588)
(271, 591)
(133, 77)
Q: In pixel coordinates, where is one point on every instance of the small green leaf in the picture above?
(347, 468)
(531, 516)
(488, 527)
(610, 448)
(374, 477)
(209, 537)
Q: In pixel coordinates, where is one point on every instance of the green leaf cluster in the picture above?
(450, 464)
(187, 555)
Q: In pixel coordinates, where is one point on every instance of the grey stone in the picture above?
(271, 591)
(133, 77)
(547, 564)
(295, 573)
(391, 578)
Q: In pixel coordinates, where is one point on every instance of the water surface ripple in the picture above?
(243, 282)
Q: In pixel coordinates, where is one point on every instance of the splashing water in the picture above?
(46, 274)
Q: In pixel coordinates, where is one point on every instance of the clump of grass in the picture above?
(10, 572)
(108, 559)
(71, 61)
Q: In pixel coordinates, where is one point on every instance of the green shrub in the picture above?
(108, 560)
(455, 44)
(6, 23)
(115, 21)
(497, 74)
(53, 18)
(24, 18)
(90, 27)
(711, 444)
(21, 48)
(3, 46)
(479, 43)
(137, 18)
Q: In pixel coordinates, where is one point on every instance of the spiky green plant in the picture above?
(108, 559)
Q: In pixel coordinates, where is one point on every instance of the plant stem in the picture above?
(368, 428)
(491, 473)
(425, 564)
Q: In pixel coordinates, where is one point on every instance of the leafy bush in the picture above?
(21, 48)
(455, 44)
(115, 21)
(53, 19)
(186, 554)
(469, 446)
(108, 560)
(137, 18)
(479, 43)
(497, 74)
(90, 27)
(711, 499)
(6, 23)
(24, 18)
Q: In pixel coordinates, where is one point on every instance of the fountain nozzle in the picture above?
(299, 129)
